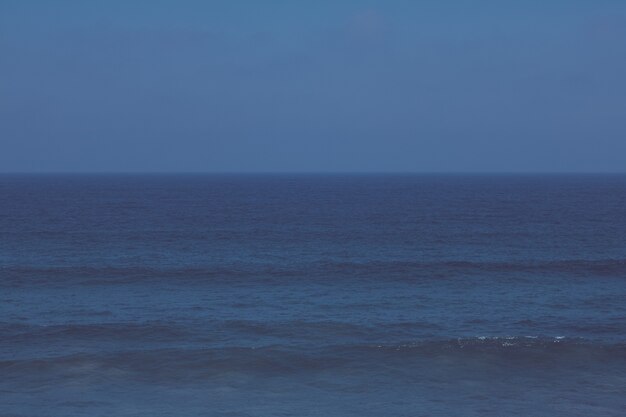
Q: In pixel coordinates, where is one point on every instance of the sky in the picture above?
(312, 86)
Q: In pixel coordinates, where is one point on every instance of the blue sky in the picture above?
(254, 86)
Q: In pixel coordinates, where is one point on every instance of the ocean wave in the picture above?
(216, 332)
(154, 331)
(317, 329)
(176, 364)
(601, 267)
(19, 275)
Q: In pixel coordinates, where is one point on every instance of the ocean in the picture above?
(312, 295)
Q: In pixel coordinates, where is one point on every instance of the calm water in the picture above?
(312, 295)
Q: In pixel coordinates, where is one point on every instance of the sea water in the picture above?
(312, 295)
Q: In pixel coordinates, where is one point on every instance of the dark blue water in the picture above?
(312, 295)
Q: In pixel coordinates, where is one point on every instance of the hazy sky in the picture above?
(406, 85)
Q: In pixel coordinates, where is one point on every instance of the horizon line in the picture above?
(312, 172)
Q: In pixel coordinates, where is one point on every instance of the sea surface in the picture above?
(312, 295)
